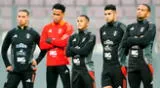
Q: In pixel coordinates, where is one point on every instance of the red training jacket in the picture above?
(60, 34)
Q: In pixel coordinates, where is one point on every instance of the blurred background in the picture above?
(41, 14)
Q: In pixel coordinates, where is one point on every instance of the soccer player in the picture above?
(80, 48)
(54, 39)
(23, 40)
(138, 41)
(111, 35)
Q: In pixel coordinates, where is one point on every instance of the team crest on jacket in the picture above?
(15, 36)
(104, 33)
(74, 40)
(28, 35)
(132, 28)
(115, 33)
(83, 39)
(59, 30)
(142, 29)
(50, 30)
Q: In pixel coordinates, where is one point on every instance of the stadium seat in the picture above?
(129, 11)
(38, 24)
(67, 2)
(51, 2)
(37, 2)
(127, 21)
(157, 24)
(143, 1)
(95, 2)
(38, 12)
(82, 2)
(96, 11)
(21, 2)
(48, 11)
(72, 12)
(128, 2)
(72, 21)
(6, 12)
(96, 23)
(6, 24)
(115, 2)
(156, 2)
(157, 11)
(120, 13)
(5, 2)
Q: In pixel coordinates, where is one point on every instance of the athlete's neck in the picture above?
(22, 27)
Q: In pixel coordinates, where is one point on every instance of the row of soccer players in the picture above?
(121, 43)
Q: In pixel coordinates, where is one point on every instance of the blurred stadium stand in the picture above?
(41, 15)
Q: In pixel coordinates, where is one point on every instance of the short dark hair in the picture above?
(148, 7)
(24, 10)
(59, 6)
(110, 7)
(85, 16)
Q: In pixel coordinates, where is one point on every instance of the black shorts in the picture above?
(14, 78)
(81, 79)
(112, 76)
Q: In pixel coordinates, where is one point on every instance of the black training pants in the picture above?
(52, 76)
(143, 74)
(14, 78)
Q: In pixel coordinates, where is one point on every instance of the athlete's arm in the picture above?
(86, 49)
(100, 33)
(5, 46)
(145, 39)
(43, 44)
(62, 42)
(69, 53)
(125, 38)
(121, 50)
(42, 52)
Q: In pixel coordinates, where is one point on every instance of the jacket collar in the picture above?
(61, 23)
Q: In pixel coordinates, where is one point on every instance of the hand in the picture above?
(135, 36)
(34, 65)
(124, 70)
(34, 68)
(34, 62)
(77, 47)
(49, 40)
(9, 68)
(141, 36)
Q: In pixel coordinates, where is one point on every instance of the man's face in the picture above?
(82, 23)
(110, 15)
(57, 15)
(142, 12)
(22, 18)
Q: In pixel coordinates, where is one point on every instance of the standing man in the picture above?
(138, 41)
(80, 48)
(111, 35)
(23, 40)
(54, 39)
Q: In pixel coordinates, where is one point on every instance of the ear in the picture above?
(148, 14)
(63, 14)
(115, 16)
(87, 22)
